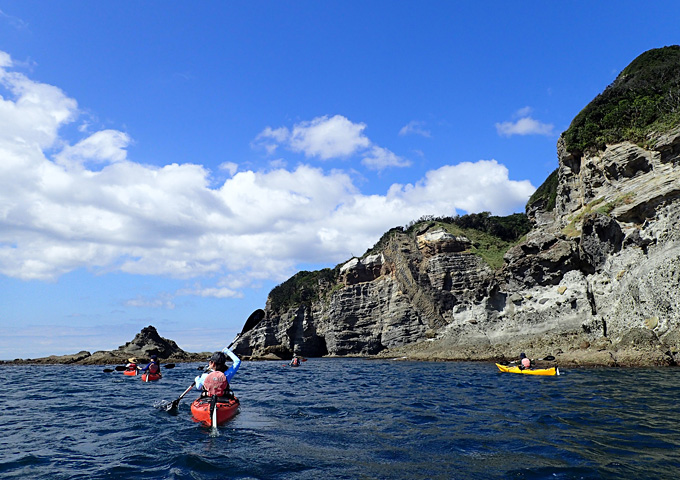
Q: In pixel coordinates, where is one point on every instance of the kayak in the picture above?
(529, 371)
(150, 377)
(130, 373)
(200, 409)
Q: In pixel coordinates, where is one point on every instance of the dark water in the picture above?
(344, 418)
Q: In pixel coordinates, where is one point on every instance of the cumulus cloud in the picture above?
(327, 138)
(87, 205)
(524, 125)
(379, 158)
(415, 128)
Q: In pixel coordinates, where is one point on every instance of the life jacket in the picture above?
(154, 369)
(526, 363)
(296, 361)
(131, 366)
(216, 384)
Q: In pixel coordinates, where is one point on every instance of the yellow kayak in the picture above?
(529, 371)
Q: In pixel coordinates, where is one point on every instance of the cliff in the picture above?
(593, 282)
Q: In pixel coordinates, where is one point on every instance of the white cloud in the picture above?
(163, 301)
(415, 127)
(5, 59)
(59, 214)
(523, 112)
(106, 146)
(229, 167)
(326, 137)
(524, 126)
(379, 158)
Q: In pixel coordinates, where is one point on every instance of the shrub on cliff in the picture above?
(645, 97)
(546, 194)
(301, 289)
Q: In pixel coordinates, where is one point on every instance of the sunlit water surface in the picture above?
(344, 418)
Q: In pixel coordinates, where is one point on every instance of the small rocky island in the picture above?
(146, 343)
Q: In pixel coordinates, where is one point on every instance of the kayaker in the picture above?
(153, 367)
(524, 361)
(132, 364)
(218, 383)
(295, 362)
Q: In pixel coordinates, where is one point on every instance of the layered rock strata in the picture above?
(595, 282)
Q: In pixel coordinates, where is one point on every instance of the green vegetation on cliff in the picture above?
(645, 97)
(546, 194)
(300, 289)
(491, 236)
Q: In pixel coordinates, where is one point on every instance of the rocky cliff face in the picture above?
(596, 281)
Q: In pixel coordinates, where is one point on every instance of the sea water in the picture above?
(344, 419)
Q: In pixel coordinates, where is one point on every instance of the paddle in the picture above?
(122, 368)
(175, 403)
(549, 358)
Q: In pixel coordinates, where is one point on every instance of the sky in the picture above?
(168, 163)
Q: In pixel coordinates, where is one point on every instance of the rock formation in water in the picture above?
(146, 343)
(595, 280)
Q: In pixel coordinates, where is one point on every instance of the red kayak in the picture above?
(150, 377)
(130, 372)
(224, 410)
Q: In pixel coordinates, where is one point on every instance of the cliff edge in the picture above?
(593, 280)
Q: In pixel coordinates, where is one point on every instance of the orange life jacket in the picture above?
(216, 383)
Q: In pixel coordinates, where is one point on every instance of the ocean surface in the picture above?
(344, 419)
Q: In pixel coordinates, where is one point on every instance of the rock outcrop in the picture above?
(595, 282)
(146, 343)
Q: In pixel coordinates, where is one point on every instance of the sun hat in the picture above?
(132, 360)
(522, 355)
(153, 357)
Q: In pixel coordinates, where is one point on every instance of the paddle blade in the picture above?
(108, 370)
(169, 365)
(121, 368)
(550, 358)
(172, 406)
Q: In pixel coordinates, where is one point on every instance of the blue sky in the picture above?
(168, 163)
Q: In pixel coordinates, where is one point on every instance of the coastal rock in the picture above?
(145, 343)
(148, 342)
(584, 283)
(594, 282)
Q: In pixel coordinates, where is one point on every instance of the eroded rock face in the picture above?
(596, 281)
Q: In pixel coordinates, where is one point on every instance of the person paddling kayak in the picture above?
(153, 367)
(208, 383)
(524, 361)
(132, 364)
